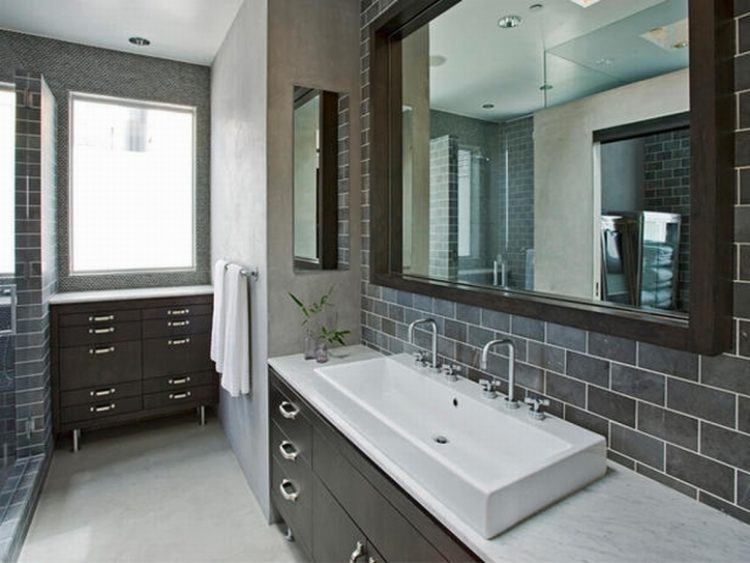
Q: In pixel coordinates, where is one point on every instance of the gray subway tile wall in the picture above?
(675, 417)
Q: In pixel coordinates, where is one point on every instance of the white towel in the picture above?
(236, 375)
(219, 318)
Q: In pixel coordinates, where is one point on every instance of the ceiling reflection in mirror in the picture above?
(507, 182)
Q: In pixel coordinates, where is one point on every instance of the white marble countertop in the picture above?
(128, 294)
(622, 517)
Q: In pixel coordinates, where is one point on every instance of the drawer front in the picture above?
(99, 333)
(336, 537)
(195, 396)
(286, 451)
(178, 311)
(289, 415)
(103, 317)
(176, 326)
(386, 527)
(178, 382)
(176, 355)
(95, 365)
(292, 494)
(100, 393)
(100, 409)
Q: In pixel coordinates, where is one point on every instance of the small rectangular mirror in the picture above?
(315, 147)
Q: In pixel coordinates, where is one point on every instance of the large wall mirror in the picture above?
(540, 158)
(316, 174)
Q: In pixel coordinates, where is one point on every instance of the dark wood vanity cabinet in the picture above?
(338, 504)
(117, 362)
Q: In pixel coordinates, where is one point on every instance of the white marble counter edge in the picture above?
(66, 298)
(522, 543)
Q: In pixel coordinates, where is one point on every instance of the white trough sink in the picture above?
(490, 465)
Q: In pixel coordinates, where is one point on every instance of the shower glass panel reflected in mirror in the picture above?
(315, 173)
(505, 183)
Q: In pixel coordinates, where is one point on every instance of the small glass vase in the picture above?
(321, 352)
(310, 346)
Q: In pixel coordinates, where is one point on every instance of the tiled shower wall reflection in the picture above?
(678, 418)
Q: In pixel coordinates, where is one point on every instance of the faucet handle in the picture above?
(420, 358)
(488, 388)
(535, 407)
(450, 372)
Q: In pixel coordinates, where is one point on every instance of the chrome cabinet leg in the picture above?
(202, 414)
(76, 439)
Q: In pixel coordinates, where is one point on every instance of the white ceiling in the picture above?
(506, 67)
(183, 30)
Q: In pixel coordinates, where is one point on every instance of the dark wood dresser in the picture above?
(119, 361)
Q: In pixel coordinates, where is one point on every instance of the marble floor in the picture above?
(164, 491)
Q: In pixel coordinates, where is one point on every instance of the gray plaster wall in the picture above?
(312, 44)
(238, 218)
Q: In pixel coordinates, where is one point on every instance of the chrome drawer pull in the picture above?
(288, 410)
(177, 323)
(101, 318)
(100, 351)
(108, 330)
(103, 408)
(102, 392)
(288, 451)
(178, 341)
(173, 312)
(290, 496)
(359, 551)
(177, 396)
(178, 380)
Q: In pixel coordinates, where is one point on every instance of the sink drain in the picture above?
(440, 439)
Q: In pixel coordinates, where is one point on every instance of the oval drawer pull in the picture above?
(102, 392)
(173, 312)
(288, 451)
(288, 490)
(288, 410)
(178, 396)
(359, 551)
(178, 380)
(101, 351)
(178, 341)
(103, 408)
(108, 330)
(177, 323)
(101, 318)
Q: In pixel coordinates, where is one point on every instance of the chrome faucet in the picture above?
(510, 401)
(432, 323)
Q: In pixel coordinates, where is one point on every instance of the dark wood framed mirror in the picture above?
(656, 271)
(315, 173)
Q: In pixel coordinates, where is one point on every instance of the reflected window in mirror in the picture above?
(504, 182)
(315, 148)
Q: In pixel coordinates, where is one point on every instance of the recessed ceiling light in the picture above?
(585, 3)
(140, 41)
(545, 87)
(437, 60)
(488, 106)
(536, 7)
(509, 22)
(680, 45)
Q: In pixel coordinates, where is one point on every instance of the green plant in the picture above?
(309, 312)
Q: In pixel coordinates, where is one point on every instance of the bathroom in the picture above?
(396, 280)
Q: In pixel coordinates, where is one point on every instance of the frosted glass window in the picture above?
(7, 179)
(132, 178)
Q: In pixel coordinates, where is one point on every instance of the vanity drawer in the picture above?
(103, 317)
(95, 365)
(182, 381)
(287, 451)
(295, 503)
(99, 333)
(194, 396)
(289, 415)
(178, 311)
(100, 393)
(100, 409)
(176, 326)
(381, 522)
(176, 355)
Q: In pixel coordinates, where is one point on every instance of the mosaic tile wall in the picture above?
(678, 418)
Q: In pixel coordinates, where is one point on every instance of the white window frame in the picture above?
(140, 104)
(9, 87)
